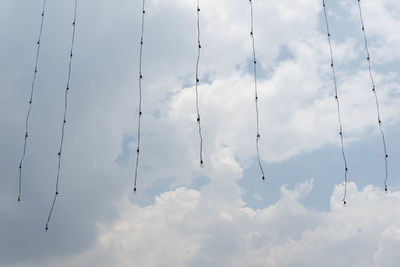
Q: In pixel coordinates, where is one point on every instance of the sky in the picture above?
(184, 215)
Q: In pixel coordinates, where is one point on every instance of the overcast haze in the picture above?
(184, 215)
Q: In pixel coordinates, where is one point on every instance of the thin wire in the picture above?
(65, 115)
(31, 100)
(140, 98)
(258, 136)
(376, 96)
(337, 104)
(197, 83)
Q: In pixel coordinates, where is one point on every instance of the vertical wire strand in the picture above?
(140, 97)
(65, 115)
(38, 43)
(337, 104)
(197, 83)
(258, 136)
(375, 95)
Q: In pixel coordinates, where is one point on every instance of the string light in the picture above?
(65, 115)
(197, 83)
(337, 103)
(38, 43)
(140, 98)
(258, 136)
(375, 94)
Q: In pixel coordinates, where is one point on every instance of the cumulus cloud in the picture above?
(182, 229)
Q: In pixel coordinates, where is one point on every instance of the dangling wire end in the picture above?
(336, 94)
(59, 154)
(378, 110)
(258, 136)
(139, 129)
(345, 192)
(197, 84)
(33, 86)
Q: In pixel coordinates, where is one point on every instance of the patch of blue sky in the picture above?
(341, 23)
(189, 80)
(147, 196)
(126, 151)
(285, 54)
(262, 72)
(325, 166)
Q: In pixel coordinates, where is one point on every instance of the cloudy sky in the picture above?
(184, 215)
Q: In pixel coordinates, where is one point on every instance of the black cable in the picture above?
(31, 100)
(65, 115)
(376, 96)
(140, 98)
(197, 83)
(337, 104)
(258, 136)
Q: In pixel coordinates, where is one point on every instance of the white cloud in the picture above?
(183, 229)
(381, 18)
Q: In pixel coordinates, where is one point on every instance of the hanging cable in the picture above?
(197, 83)
(258, 136)
(65, 115)
(140, 98)
(337, 104)
(375, 94)
(38, 43)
